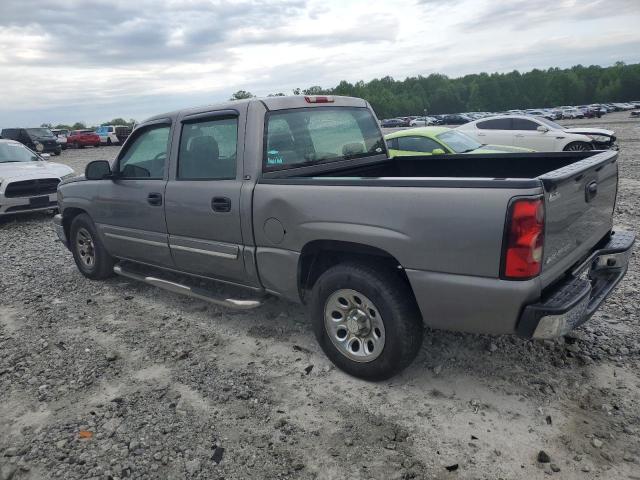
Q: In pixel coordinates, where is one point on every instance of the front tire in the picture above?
(578, 147)
(90, 255)
(366, 320)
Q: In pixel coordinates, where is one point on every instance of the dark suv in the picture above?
(38, 139)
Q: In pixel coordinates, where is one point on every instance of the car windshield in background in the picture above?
(458, 142)
(322, 134)
(549, 123)
(16, 152)
(39, 132)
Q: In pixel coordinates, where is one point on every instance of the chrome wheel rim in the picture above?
(578, 147)
(354, 325)
(85, 248)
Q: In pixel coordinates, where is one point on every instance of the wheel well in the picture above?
(67, 217)
(320, 255)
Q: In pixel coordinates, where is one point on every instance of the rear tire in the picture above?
(90, 255)
(366, 320)
(578, 147)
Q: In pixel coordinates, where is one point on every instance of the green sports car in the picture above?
(439, 141)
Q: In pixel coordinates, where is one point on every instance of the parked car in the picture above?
(39, 139)
(28, 181)
(61, 137)
(296, 197)
(439, 141)
(113, 134)
(455, 119)
(423, 122)
(394, 123)
(83, 138)
(538, 134)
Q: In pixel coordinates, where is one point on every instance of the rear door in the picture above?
(497, 131)
(203, 196)
(527, 135)
(130, 209)
(579, 202)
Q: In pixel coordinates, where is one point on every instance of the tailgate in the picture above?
(579, 202)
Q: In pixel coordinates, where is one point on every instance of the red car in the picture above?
(83, 138)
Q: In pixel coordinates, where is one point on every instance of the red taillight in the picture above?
(318, 99)
(524, 239)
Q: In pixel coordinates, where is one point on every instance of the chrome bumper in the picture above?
(59, 228)
(576, 299)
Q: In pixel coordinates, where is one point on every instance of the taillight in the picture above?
(318, 99)
(524, 239)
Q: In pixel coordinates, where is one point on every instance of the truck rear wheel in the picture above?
(90, 255)
(365, 320)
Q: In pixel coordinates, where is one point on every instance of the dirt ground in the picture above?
(117, 379)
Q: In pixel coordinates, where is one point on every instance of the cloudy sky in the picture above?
(92, 60)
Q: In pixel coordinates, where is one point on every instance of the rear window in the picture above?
(308, 136)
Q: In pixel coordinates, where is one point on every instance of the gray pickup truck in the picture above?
(296, 197)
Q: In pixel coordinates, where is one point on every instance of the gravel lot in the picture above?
(117, 379)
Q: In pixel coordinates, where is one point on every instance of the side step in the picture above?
(194, 292)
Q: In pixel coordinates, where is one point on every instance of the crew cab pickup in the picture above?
(297, 197)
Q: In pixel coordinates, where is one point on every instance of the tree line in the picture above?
(490, 92)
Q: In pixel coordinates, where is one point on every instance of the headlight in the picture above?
(600, 138)
(68, 175)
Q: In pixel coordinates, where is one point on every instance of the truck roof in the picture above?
(270, 103)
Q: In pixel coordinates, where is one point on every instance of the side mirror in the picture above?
(542, 129)
(45, 156)
(437, 151)
(97, 170)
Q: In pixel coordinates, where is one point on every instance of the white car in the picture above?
(537, 133)
(61, 137)
(28, 181)
(422, 122)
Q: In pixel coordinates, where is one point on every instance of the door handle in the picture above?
(519, 135)
(154, 199)
(221, 204)
(482, 134)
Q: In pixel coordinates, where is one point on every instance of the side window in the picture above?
(147, 155)
(208, 150)
(417, 144)
(495, 124)
(392, 144)
(524, 124)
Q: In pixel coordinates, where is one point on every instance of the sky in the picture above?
(63, 61)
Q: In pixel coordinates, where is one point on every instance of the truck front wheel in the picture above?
(366, 320)
(91, 258)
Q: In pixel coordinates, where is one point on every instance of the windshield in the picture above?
(39, 132)
(458, 142)
(16, 152)
(549, 123)
(307, 136)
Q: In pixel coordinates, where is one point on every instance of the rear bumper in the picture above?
(574, 300)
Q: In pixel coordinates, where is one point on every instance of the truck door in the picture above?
(130, 208)
(203, 197)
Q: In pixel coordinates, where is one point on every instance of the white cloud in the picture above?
(92, 60)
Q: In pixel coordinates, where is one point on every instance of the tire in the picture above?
(578, 147)
(391, 333)
(92, 258)
(108, 142)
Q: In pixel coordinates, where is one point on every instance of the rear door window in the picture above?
(524, 124)
(418, 144)
(495, 124)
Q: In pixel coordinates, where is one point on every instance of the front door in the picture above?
(130, 208)
(203, 198)
(528, 136)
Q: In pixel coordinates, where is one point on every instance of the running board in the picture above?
(198, 293)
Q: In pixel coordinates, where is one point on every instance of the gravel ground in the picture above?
(116, 379)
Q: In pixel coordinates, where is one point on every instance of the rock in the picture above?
(348, 442)
(555, 467)
(217, 455)
(597, 443)
(11, 452)
(7, 472)
(112, 356)
(308, 369)
(437, 369)
(586, 468)
(543, 457)
(192, 466)
(492, 347)
(607, 456)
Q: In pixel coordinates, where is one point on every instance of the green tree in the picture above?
(78, 126)
(241, 95)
